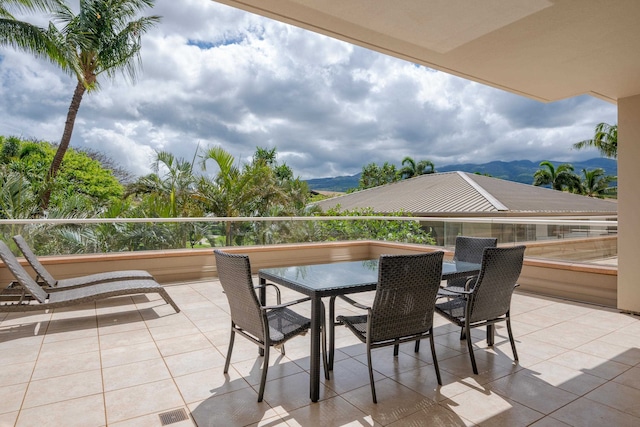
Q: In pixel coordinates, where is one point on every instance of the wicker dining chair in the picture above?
(469, 249)
(402, 308)
(265, 326)
(488, 301)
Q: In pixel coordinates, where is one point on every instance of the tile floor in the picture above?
(125, 361)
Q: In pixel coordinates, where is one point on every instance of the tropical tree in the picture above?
(605, 139)
(103, 38)
(560, 178)
(23, 35)
(233, 191)
(596, 184)
(374, 175)
(410, 168)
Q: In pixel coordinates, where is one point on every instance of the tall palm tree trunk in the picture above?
(64, 144)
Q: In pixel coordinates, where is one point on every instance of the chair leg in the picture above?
(165, 295)
(491, 334)
(513, 342)
(433, 356)
(373, 387)
(417, 347)
(231, 340)
(463, 335)
(325, 362)
(396, 348)
(470, 346)
(265, 368)
(332, 330)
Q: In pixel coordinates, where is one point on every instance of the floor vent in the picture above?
(171, 417)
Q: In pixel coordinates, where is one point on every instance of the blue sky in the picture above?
(214, 75)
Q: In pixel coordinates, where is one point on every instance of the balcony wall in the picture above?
(570, 280)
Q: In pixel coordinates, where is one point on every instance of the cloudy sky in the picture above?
(214, 75)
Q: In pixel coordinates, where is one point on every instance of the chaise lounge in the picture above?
(50, 282)
(72, 296)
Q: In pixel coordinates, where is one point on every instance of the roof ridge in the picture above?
(484, 193)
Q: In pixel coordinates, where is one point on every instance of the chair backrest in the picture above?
(234, 272)
(32, 259)
(26, 281)
(498, 277)
(405, 295)
(469, 249)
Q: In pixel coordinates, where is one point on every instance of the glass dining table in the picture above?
(333, 279)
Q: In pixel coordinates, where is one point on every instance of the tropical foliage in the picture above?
(104, 37)
(605, 139)
(561, 178)
(374, 175)
(411, 168)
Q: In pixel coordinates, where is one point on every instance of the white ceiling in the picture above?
(543, 49)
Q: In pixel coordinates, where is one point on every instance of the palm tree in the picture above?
(102, 38)
(559, 179)
(23, 35)
(596, 184)
(605, 140)
(411, 168)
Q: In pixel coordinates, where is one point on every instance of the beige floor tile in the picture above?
(568, 335)
(153, 420)
(586, 412)
(424, 381)
(8, 419)
(434, 415)
(57, 389)
(395, 401)
(389, 365)
(183, 344)
(332, 412)
(238, 408)
(194, 361)
(291, 392)
(19, 355)
(124, 339)
(618, 396)
(111, 323)
(132, 402)
(212, 382)
(565, 378)
(630, 378)
(279, 366)
(594, 365)
(616, 353)
(349, 374)
(81, 362)
(133, 374)
(16, 374)
(179, 329)
(56, 350)
(129, 354)
(549, 422)
(532, 392)
(483, 407)
(11, 397)
(82, 412)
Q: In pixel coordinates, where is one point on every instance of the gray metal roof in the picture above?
(465, 194)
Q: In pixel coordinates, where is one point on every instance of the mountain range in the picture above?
(516, 170)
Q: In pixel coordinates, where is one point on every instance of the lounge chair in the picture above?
(50, 282)
(72, 296)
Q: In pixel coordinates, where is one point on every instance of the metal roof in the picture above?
(465, 194)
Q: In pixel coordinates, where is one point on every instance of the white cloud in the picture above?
(214, 75)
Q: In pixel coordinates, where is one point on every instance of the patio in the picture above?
(128, 360)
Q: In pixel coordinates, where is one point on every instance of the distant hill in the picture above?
(517, 170)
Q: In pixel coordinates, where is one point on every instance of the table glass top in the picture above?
(347, 274)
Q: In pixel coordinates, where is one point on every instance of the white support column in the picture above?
(629, 204)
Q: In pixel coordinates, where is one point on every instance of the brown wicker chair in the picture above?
(265, 326)
(403, 305)
(74, 296)
(468, 249)
(488, 301)
(50, 282)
